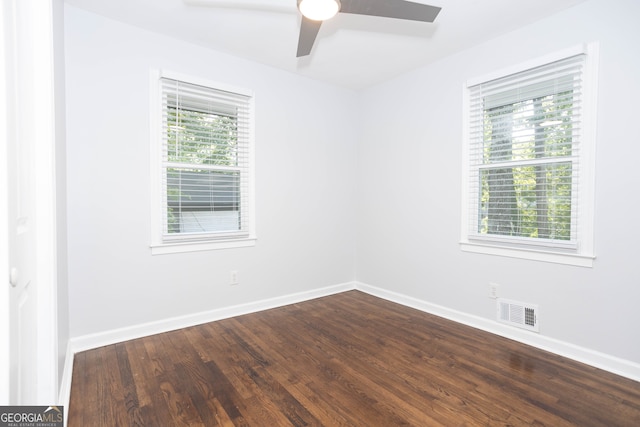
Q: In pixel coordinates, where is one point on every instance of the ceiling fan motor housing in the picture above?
(319, 10)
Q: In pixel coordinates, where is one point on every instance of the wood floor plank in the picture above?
(129, 389)
(349, 359)
(176, 393)
(75, 413)
(153, 406)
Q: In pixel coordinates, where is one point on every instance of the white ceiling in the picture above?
(351, 50)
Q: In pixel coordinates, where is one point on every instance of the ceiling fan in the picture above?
(316, 11)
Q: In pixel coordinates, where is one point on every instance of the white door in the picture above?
(29, 204)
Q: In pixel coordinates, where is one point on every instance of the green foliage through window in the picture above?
(526, 173)
(201, 138)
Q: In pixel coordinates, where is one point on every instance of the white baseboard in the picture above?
(64, 395)
(618, 366)
(88, 342)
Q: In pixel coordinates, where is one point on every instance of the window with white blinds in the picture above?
(524, 158)
(205, 142)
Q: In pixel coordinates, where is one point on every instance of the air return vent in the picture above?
(518, 314)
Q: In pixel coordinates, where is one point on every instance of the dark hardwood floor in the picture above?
(345, 360)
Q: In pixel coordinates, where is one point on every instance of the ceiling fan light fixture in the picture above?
(319, 10)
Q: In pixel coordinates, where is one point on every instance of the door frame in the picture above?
(4, 220)
(38, 16)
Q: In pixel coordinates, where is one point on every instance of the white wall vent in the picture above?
(518, 314)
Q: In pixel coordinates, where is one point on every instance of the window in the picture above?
(201, 149)
(529, 163)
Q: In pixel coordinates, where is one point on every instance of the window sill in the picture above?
(578, 260)
(180, 247)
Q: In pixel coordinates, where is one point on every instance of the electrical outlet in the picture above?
(493, 290)
(233, 278)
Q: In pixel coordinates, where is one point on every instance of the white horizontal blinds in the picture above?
(525, 137)
(205, 162)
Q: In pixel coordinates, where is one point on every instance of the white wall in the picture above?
(409, 174)
(305, 152)
(395, 147)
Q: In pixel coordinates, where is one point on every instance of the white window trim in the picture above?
(158, 246)
(584, 255)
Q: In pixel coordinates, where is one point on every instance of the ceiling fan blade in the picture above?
(399, 9)
(308, 32)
